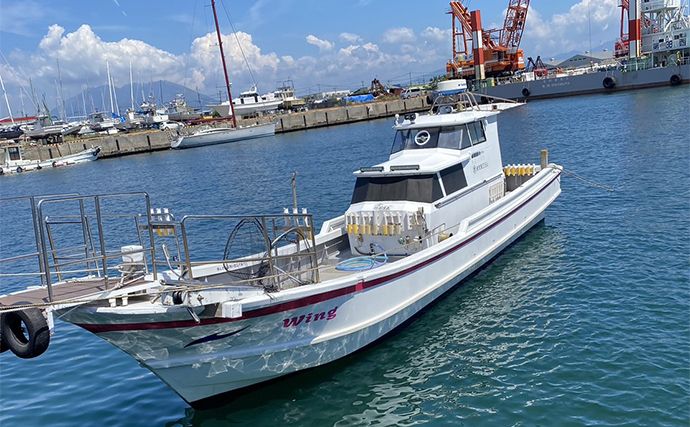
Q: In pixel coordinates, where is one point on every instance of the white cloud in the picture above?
(399, 35)
(350, 38)
(569, 31)
(323, 45)
(437, 35)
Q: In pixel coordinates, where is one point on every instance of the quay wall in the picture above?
(122, 144)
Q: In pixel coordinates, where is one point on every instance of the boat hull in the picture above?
(231, 135)
(88, 155)
(309, 326)
(594, 82)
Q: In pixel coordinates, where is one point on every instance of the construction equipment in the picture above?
(622, 46)
(537, 67)
(377, 88)
(497, 49)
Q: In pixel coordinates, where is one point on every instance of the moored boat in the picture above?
(212, 136)
(14, 160)
(283, 298)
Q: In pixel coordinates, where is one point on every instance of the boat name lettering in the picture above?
(481, 166)
(311, 317)
(382, 207)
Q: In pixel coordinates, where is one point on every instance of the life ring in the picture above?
(525, 92)
(676, 79)
(19, 169)
(31, 320)
(422, 138)
(609, 82)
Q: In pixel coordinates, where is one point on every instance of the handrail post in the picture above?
(151, 241)
(101, 239)
(44, 254)
(84, 226)
(37, 237)
(313, 245)
(188, 262)
(268, 250)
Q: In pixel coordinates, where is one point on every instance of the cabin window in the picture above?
(453, 178)
(411, 139)
(456, 137)
(415, 188)
(14, 153)
(476, 132)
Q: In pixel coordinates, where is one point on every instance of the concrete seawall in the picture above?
(122, 144)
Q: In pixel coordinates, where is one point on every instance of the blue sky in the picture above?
(318, 44)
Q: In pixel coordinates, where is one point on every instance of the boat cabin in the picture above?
(442, 168)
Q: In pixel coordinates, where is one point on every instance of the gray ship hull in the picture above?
(593, 82)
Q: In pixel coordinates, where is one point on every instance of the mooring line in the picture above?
(588, 181)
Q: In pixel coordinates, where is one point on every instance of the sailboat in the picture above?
(210, 135)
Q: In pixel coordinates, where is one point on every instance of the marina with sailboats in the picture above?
(387, 255)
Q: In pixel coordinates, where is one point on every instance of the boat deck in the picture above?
(62, 292)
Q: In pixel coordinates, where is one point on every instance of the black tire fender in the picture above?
(525, 92)
(676, 79)
(19, 169)
(3, 344)
(609, 82)
(15, 323)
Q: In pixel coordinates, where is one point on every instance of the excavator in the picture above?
(501, 46)
(537, 67)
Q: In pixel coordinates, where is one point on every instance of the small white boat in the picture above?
(440, 208)
(14, 161)
(212, 136)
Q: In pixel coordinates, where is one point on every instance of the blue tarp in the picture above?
(360, 98)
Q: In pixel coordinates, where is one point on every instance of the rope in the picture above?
(588, 181)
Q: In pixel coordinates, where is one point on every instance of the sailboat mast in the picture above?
(225, 69)
(6, 100)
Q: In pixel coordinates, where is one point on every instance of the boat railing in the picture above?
(272, 251)
(89, 241)
(464, 101)
(72, 241)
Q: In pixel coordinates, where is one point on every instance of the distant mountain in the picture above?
(601, 47)
(161, 92)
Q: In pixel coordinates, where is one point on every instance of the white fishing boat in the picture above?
(211, 136)
(283, 298)
(14, 160)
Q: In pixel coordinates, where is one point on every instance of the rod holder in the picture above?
(544, 159)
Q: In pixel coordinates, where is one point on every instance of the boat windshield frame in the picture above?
(455, 137)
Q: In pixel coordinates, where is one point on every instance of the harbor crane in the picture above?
(495, 52)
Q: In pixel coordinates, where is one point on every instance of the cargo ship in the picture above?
(655, 52)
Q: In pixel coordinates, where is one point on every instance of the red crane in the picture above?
(622, 46)
(500, 46)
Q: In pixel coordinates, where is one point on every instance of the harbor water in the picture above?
(583, 321)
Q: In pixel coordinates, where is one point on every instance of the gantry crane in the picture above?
(501, 52)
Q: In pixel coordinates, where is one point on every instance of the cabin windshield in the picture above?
(453, 137)
(415, 188)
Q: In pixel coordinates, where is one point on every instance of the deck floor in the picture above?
(64, 291)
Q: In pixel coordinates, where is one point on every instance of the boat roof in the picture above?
(441, 119)
(416, 162)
